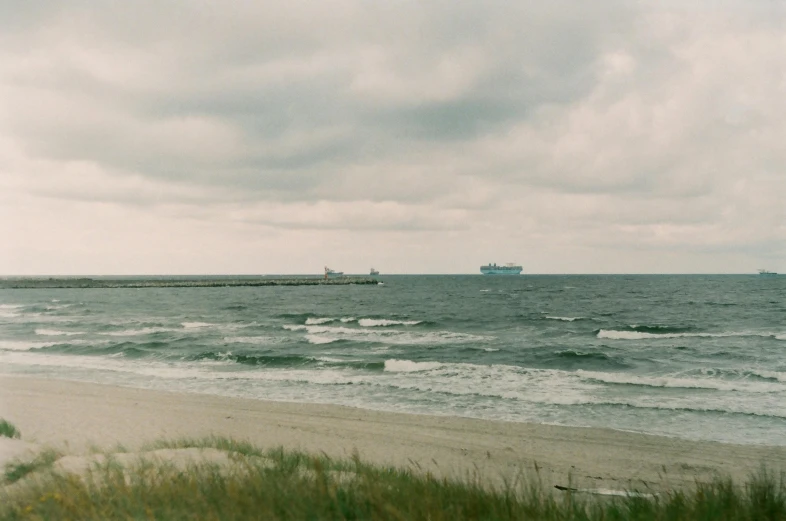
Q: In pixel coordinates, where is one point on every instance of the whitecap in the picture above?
(55, 332)
(137, 332)
(564, 319)
(383, 322)
(23, 345)
(318, 339)
(195, 325)
(639, 335)
(408, 366)
(294, 327)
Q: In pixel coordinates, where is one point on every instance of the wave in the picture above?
(10, 310)
(565, 319)
(638, 335)
(679, 408)
(681, 382)
(23, 345)
(137, 332)
(383, 322)
(195, 325)
(315, 321)
(286, 361)
(385, 335)
(259, 340)
(55, 332)
(318, 340)
(408, 366)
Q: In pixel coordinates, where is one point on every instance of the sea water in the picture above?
(697, 357)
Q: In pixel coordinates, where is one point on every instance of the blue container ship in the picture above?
(507, 269)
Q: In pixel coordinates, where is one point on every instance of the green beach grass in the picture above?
(279, 484)
(8, 430)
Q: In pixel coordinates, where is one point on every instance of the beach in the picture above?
(78, 417)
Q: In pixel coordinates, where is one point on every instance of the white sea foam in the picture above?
(55, 332)
(640, 335)
(564, 319)
(383, 322)
(10, 310)
(318, 339)
(294, 327)
(260, 340)
(333, 360)
(137, 332)
(408, 366)
(387, 336)
(676, 381)
(781, 336)
(23, 345)
(348, 319)
(195, 325)
(313, 321)
(490, 349)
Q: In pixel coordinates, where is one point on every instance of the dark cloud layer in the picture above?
(609, 126)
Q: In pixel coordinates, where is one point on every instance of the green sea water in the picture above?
(698, 357)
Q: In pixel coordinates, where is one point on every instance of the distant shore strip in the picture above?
(65, 283)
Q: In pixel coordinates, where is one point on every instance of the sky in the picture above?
(196, 137)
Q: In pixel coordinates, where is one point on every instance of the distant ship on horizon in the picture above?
(332, 273)
(508, 269)
(374, 272)
(767, 272)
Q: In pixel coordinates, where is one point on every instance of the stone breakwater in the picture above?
(50, 283)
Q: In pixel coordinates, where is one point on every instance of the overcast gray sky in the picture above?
(417, 137)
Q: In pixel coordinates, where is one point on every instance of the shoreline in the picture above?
(78, 416)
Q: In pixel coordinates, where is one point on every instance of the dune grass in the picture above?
(8, 429)
(279, 484)
(17, 470)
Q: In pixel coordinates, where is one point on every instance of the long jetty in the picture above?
(69, 282)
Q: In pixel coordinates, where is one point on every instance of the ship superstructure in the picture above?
(766, 272)
(495, 269)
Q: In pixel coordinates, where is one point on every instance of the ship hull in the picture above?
(499, 272)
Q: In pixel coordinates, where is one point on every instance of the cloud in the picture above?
(540, 128)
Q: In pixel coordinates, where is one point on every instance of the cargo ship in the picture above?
(332, 273)
(507, 269)
(374, 272)
(767, 273)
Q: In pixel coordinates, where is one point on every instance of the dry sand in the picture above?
(75, 416)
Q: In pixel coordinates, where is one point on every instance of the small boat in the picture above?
(766, 273)
(374, 272)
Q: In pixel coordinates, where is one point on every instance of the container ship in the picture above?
(767, 273)
(507, 269)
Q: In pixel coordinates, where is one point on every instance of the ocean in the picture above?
(695, 357)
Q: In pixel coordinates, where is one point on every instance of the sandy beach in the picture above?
(77, 416)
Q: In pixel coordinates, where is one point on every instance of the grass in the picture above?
(17, 470)
(8, 429)
(279, 484)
